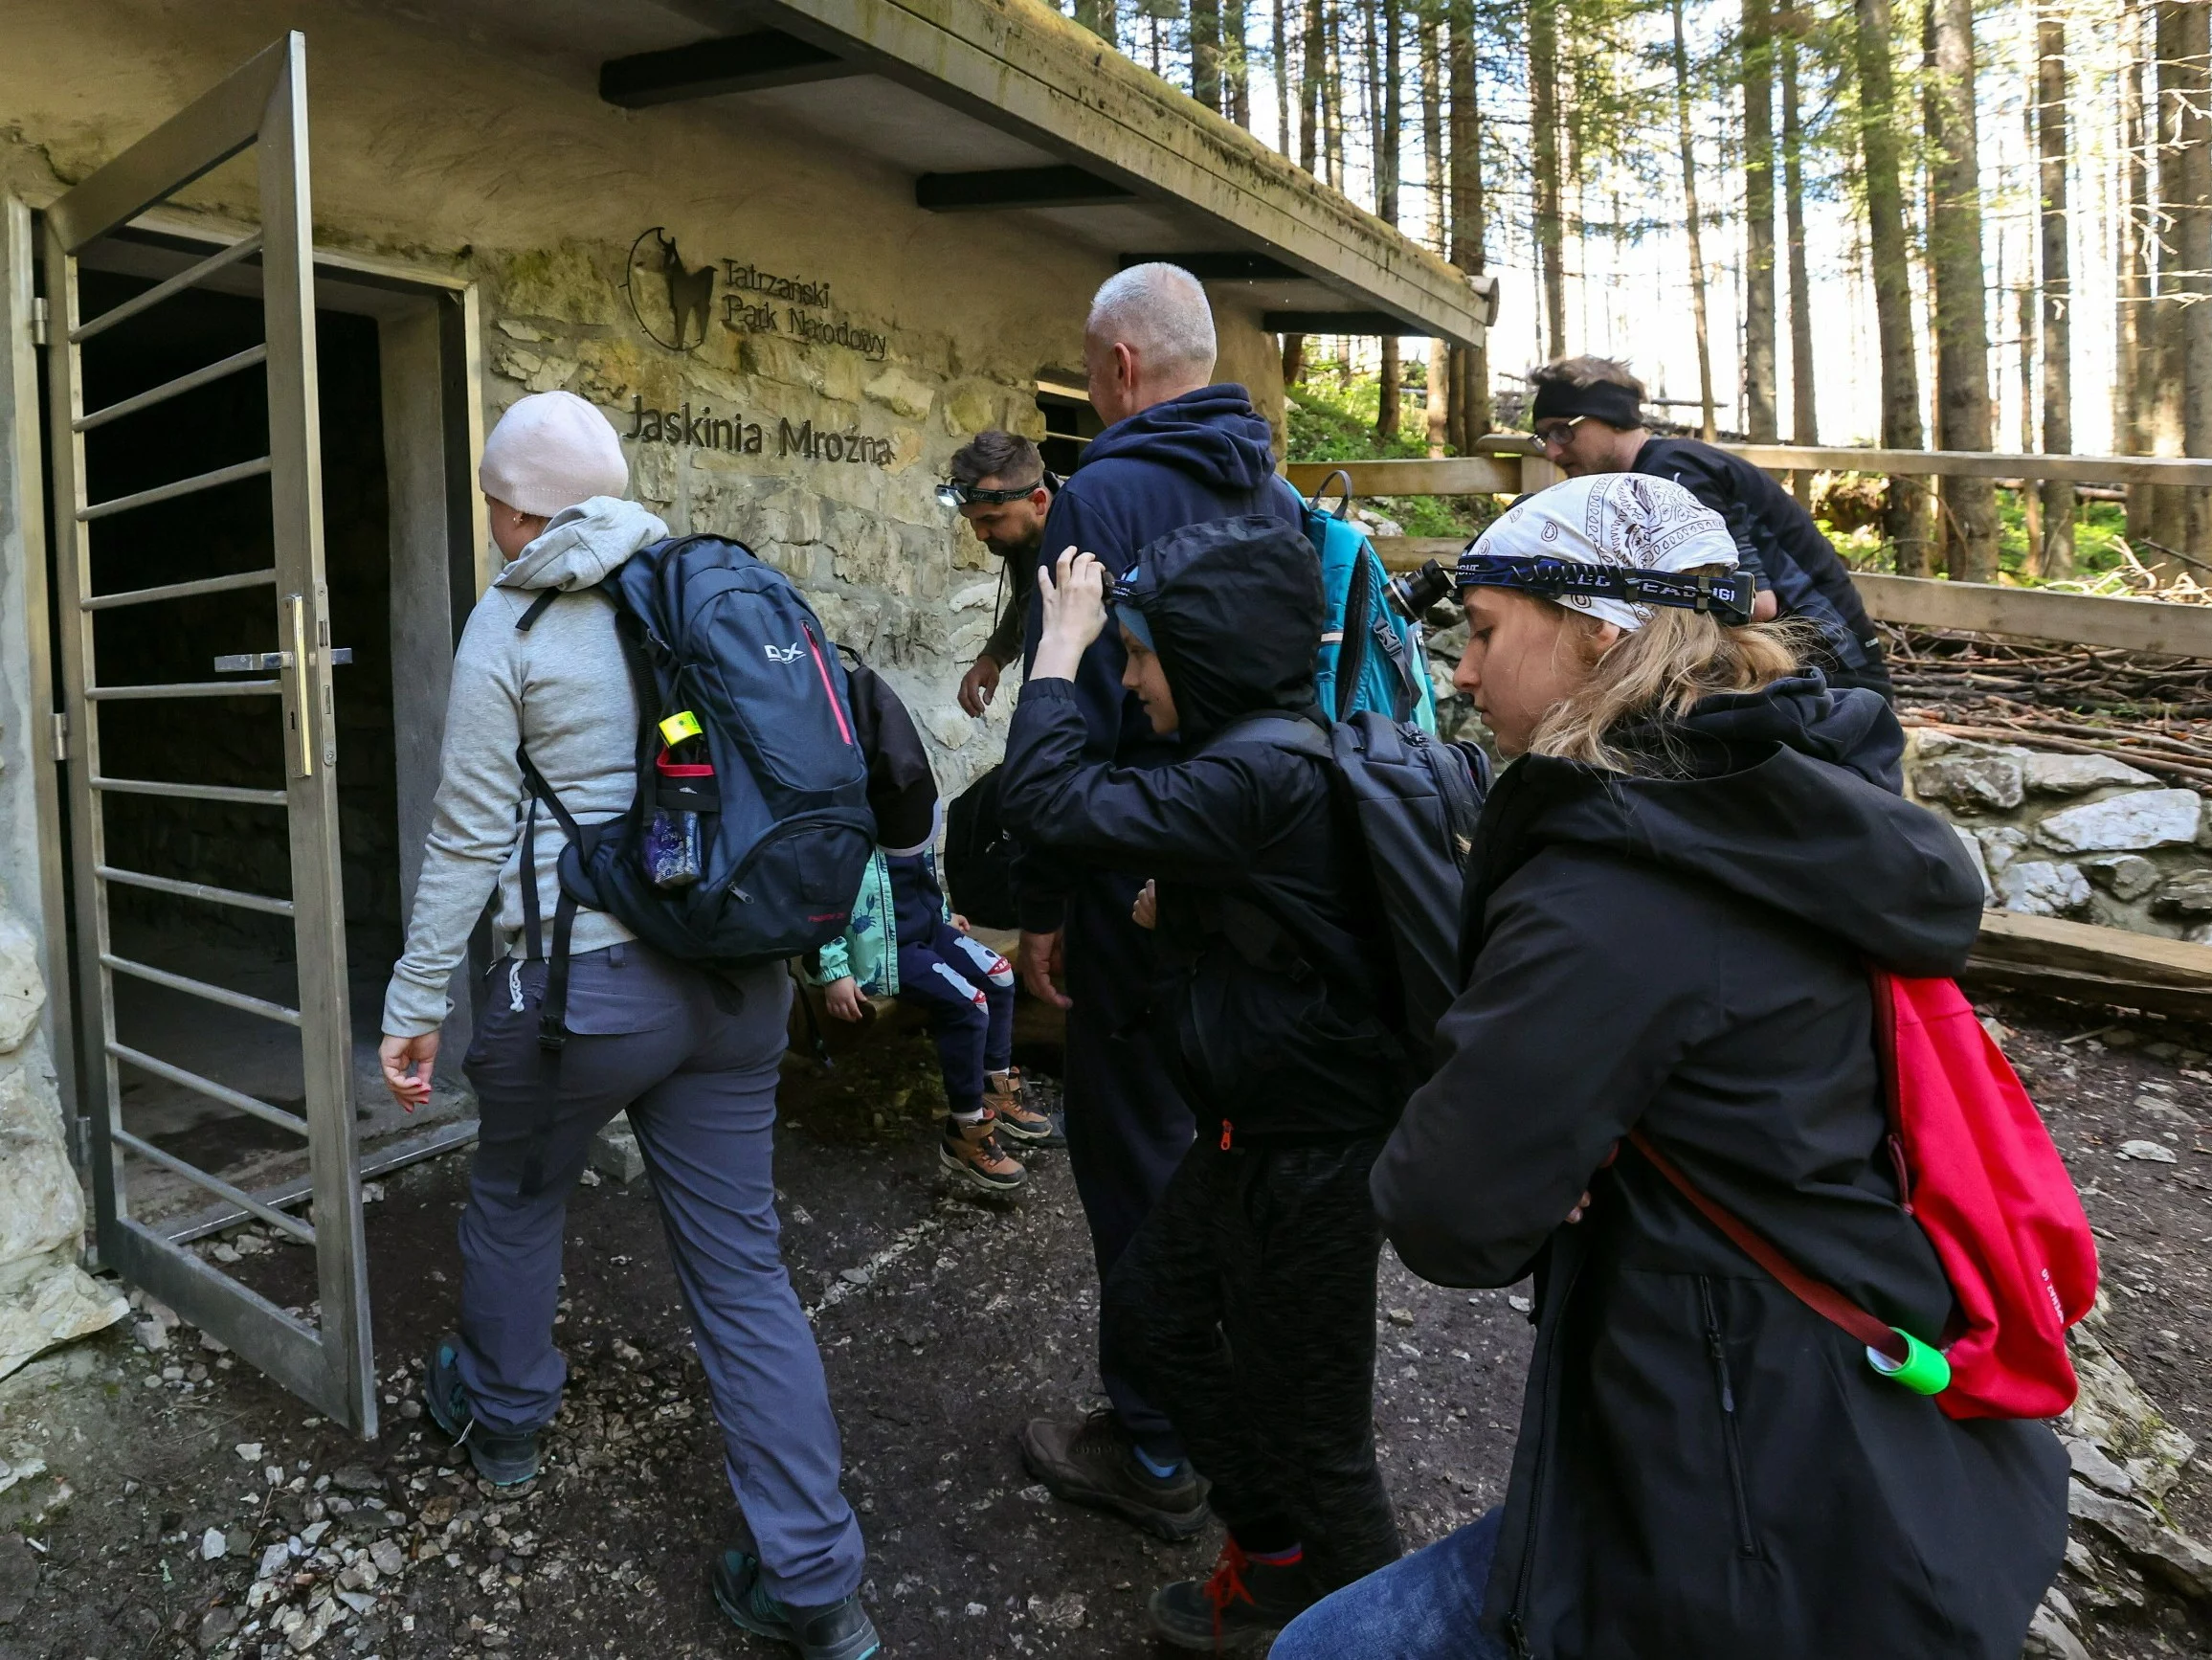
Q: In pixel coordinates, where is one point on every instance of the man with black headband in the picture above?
(1588, 414)
(999, 486)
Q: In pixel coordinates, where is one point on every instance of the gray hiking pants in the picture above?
(694, 1060)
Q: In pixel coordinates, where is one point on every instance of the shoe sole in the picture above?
(869, 1647)
(961, 1171)
(1243, 1641)
(1174, 1527)
(497, 1474)
(1048, 1137)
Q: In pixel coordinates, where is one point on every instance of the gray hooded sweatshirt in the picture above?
(563, 690)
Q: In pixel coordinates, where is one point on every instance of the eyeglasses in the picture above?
(952, 493)
(1558, 434)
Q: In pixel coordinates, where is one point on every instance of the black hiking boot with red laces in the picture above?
(1239, 1609)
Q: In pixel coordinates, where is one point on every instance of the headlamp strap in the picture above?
(1728, 596)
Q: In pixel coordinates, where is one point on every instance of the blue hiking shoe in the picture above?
(839, 1630)
(502, 1460)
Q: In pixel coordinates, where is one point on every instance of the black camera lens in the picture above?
(1413, 592)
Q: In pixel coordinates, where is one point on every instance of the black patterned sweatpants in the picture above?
(1245, 1308)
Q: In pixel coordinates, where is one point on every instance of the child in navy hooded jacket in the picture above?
(1245, 1305)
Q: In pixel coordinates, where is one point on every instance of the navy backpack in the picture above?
(770, 794)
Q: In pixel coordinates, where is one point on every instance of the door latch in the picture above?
(252, 662)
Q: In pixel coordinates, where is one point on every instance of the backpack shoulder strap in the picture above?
(1823, 1298)
(536, 609)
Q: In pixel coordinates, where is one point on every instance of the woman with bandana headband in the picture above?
(1674, 892)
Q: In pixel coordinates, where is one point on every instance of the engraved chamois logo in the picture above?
(689, 293)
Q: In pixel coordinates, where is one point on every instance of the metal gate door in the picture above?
(263, 106)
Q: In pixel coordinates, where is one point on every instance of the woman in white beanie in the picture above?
(691, 1056)
(1673, 896)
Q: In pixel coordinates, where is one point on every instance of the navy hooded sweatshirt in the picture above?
(1205, 455)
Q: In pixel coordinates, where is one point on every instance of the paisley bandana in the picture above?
(1624, 522)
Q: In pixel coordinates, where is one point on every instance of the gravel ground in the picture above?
(172, 1502)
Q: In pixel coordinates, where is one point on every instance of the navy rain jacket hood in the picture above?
(1235, 610)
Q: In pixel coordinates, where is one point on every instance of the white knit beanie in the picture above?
(550, 450)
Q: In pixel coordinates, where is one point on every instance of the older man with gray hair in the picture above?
(1178, 450)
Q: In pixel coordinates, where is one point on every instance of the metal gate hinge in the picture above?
(60, 739)
(38, 316)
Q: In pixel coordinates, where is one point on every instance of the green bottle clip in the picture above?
(1924, 1370)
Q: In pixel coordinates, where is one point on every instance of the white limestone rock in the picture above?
(2187, 894)
(57, 1304)
(2039, 888)
(2125, 876)
(2000, 846)
(2047, 774)
(22, 987)
(2112, 1412)
(2124, 823)
(1975, 783)
(1973, 847)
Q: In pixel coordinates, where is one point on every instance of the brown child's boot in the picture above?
(1019, 1121)
(970, 1153)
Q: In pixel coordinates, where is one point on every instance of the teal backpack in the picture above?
(1371, 657)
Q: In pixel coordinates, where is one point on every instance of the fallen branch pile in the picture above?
(2153, 714)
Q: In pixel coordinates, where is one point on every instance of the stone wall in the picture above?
(45, 1298)
(2084, 837)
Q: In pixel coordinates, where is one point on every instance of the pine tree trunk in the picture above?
(1386, 182)
(2189, 207)
(1697, 275)
(1236, 64)
(1758, 84)
(1432, 126)
(1099, 16)
(1332, 95)
(1282, 44)
(1804, 415)
(1469, 366)
(1960, 304)
(2052, 553)
(1206, 52)
(2030, 498)
(1544, 149)
(1905, 514)
(2132, 285)
(2157, 514)
(1312, 66)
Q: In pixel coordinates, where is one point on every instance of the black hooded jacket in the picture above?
(1269, 944)
(1706, 1467)
(1204, 456)
(1783, 547)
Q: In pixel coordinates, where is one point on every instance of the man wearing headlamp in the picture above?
(1587, 412)
(999, 486)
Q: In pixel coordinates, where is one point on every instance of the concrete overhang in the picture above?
(1007, 106)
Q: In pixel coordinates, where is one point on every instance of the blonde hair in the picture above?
(1657, 673)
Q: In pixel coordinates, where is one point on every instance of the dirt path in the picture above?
(944, 1323)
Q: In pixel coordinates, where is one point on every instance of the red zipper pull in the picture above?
(1226, 1127)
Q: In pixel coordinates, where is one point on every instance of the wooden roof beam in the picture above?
(748, 62)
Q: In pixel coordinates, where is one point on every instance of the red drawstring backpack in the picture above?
(1976, 1169)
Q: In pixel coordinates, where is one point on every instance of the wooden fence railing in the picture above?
(1505, 467)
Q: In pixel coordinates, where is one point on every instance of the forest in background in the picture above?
(1913, 223)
